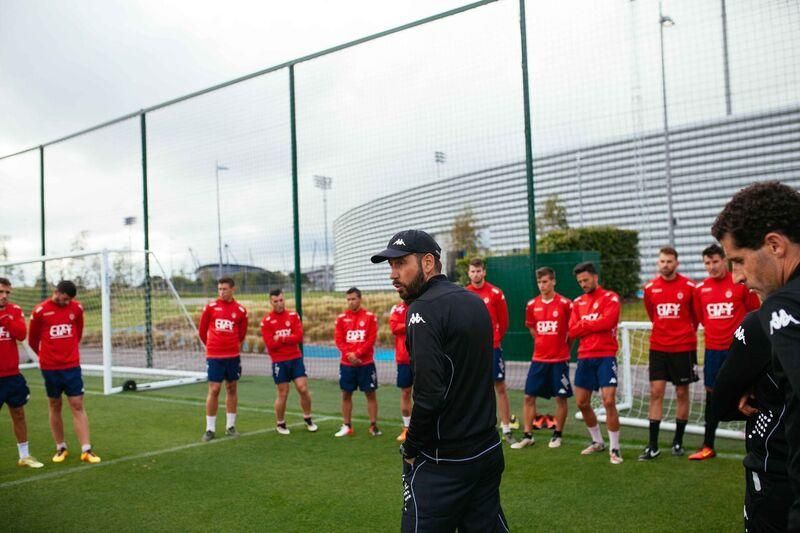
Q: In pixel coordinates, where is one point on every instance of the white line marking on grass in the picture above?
(163, 399)
(179, 401)
(145, 455)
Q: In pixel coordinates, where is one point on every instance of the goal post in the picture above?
(633, 393)
(135, 338)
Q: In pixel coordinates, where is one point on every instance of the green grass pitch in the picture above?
(156, 475)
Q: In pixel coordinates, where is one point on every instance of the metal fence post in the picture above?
(528, 141)
(43, 248)
(148, 309)
(298, 285)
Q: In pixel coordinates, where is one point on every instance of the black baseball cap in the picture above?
(410, 241)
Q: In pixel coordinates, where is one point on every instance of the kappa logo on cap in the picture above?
(399, 242)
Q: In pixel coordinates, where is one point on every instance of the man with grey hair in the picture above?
(452, 458)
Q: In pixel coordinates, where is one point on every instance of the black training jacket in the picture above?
(449, 340)
(780, 318)
(749, 368)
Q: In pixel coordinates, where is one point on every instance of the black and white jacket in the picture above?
(449, 340)
(748, 368)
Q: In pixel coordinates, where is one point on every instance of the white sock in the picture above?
(279, 422)
(211, 423)
(231, 420)
(85, 447)
(61, 445)
(596, 435)
(613, 436)
(506, 428)
(406, 421)
(22, 448)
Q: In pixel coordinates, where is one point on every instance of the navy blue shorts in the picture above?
(287, 371)
(546, 380)
(405, 376)
(68, 381)
(363, 378)
(499, 366)
(224, 369)
(14, 391)
(711, 365)
(596, 373)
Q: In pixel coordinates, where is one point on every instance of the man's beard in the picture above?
(411, 291)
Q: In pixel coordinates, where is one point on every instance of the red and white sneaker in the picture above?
(702, 454)
(344, 431)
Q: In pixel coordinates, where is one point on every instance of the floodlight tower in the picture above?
(325, 183)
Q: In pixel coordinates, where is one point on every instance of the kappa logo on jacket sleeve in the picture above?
(781, 319)
(739, 335)
(416, 319)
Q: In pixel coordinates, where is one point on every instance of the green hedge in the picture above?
(619, 253)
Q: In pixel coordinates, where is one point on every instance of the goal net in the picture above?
(633, 393)
(137, 332)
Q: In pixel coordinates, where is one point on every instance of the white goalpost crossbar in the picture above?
(108, 369)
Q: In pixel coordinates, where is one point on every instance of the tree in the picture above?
(8, 271)
(465, 242)
(553, 216)
(464, 237)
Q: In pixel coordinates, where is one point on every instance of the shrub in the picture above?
(619, 253)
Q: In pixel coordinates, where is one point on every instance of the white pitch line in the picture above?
(179, 401)
(145, 455)
(572, 440)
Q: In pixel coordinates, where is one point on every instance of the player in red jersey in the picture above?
(282, 332)
(54, 335)
(547, 316)
(13, 388)
(594, 320)
(720, 305)
(405, 377)
(668, 299)
(223, 327)
(355, 333)
(495, 302)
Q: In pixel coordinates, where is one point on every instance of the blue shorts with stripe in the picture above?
(405, 376)
(546, 380)
(498, 365)
(712, 362)
(224, 369)
(363, 377)
(68, 381)
(14, 391)
(596, 373)
(287, 371)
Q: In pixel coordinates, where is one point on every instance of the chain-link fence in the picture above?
(639, 115)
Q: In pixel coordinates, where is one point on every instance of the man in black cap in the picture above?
(452, 458)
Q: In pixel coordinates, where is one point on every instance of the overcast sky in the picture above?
(370, 117)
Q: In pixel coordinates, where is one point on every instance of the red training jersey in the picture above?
(549, 323)
(670, 306)
(721, 305)
(223, 327)
(12, 329)
(55, 333)
(594, 321)
(355, 332)
(495, 301)
(289, 330)
(397, 323)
